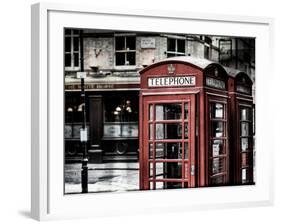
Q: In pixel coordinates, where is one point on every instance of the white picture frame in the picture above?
(48, 200)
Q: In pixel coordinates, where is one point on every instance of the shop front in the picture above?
(111, 116)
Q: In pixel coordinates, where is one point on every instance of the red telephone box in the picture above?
(242, 118)
(184, 123)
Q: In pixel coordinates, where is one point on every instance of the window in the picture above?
(207, 48)
(71, 49)
(125, 50)
(175, 47)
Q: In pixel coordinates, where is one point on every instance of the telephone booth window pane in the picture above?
(151, 169)
(158, 185)
(172, 185)
(185, 131)
(186, 150)
(168, 131)
(218, 165)
(217, 148)
(172, 170)
(217, 110)
(245, 159)
(217, 129)
(160, 150)
(186, 111)
(168, 112)
(166, 170)
(244, 129)
(168, 150)
(244, 176)
(150, 112)
(150, 150)
(217, 180)
(244, 144)
(150, 131)
(159, 171)
(245, 114)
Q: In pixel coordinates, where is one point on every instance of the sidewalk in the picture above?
(104, 177)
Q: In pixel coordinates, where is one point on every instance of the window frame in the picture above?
(125, 51)
(207, 47)
(176, 52)
(224, 138)
(72, 51)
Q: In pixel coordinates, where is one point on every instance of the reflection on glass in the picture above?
(244, 144)
(245, 114)
(218, 165)
(217, 128)
(159, 170)
(150, 150)
(186, 150)
(150, 169)
(150, 131)
(244, 129)
(186, 111)
(185, 130)
(169, 150)
(168, 111)
(244, 175)
(167, 170)
(167, 131)
(159, 131)
(217, 110)
(217, 147)
(245, 159)
(150, 112)
(158, 185)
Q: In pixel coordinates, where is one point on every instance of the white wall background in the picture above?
(15, 110)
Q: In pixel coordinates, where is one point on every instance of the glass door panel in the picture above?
(169, 144)
(246, 144)
(218, 169)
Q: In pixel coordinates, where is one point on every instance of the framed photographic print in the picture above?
(165, 117)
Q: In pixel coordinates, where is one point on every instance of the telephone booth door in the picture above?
(168, 142)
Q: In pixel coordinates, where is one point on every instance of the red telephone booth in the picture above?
(183, 138)
(242, 118)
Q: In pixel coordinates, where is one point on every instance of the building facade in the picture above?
(112, 61)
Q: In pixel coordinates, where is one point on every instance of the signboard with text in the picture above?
(172, 81)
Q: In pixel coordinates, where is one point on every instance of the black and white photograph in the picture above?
(152, 111)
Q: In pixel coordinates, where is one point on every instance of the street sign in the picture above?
(81, 75)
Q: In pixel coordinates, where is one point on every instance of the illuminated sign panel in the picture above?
(219, 84)
(172, 81)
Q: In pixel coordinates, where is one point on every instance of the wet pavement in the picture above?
(104, 177)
